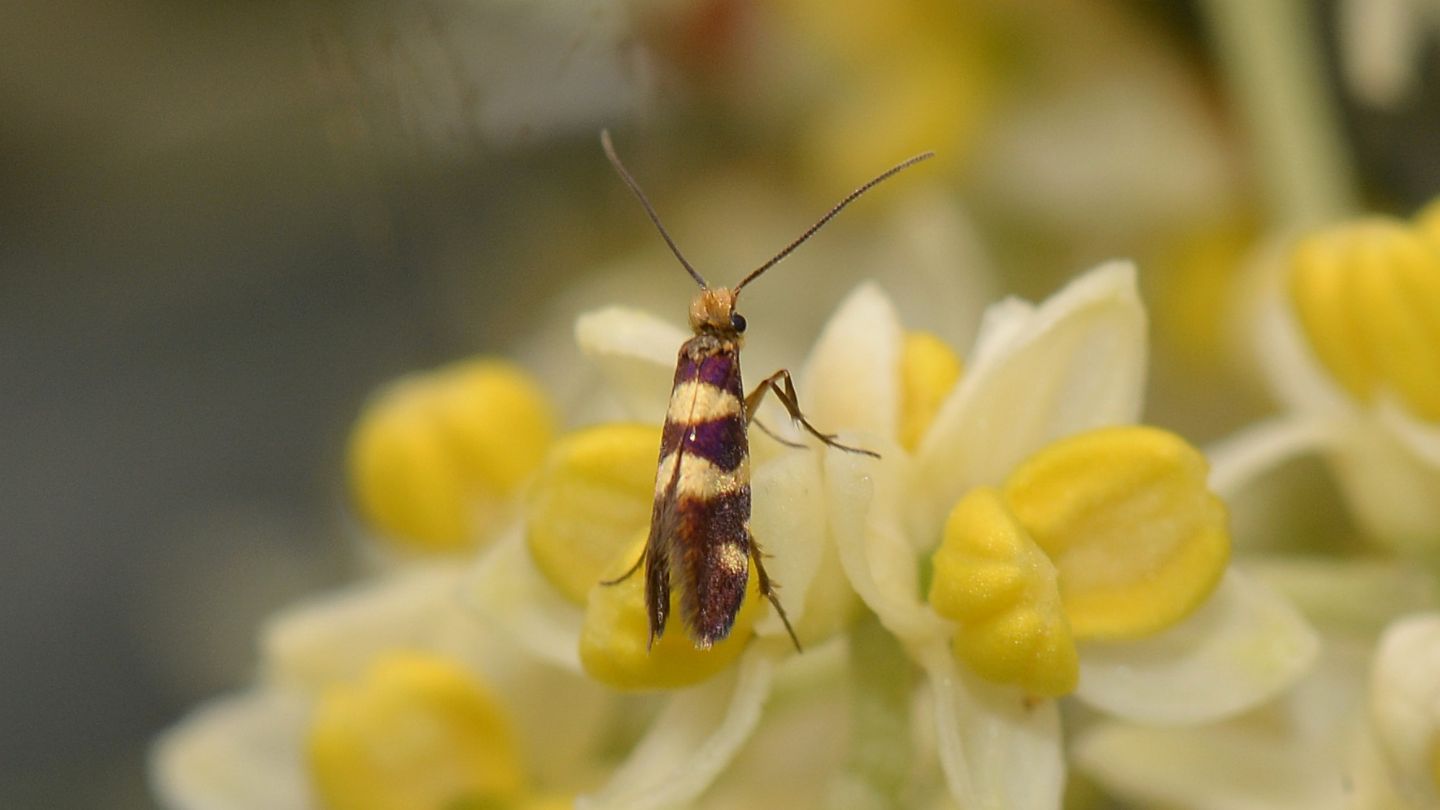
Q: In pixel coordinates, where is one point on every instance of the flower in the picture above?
(843, 528)
(1346, 338)
(387, 695)
(1005, 570)
(437, 459)
(1358, 731)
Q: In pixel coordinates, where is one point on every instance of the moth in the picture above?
(700, 543)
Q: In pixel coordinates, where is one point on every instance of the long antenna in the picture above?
(649, 209)
(849, 198)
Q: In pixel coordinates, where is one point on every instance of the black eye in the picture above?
(737, 322)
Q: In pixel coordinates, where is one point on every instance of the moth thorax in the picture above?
(711, 310)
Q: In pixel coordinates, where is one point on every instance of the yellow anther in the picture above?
(616, 632)
(1368, 299)
(417, 732)
(1125, 515)
(594, 493)
(993, 579)
(434, 456)
(929, 369)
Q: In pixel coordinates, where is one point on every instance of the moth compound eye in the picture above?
(737, 322)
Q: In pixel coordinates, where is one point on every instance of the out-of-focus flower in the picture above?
(1359, 731)
(1346, 332)
(437, 459)
(1381, 46)
(390, 695)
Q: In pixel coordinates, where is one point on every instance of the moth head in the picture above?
(712, 310)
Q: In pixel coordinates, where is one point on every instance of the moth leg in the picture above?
(767, 590)
(768, 432)
(791, 401)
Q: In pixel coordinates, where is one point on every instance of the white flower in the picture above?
(1035, 375)
(377, 659)
(1343, 331)
(1357, 732)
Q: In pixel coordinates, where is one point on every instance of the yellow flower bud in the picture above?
(929, 370)
(614, 640)
(993, 579)
(418, 733)
(593, 495)
(1367, 296)
(434, 457)
(1125, 515)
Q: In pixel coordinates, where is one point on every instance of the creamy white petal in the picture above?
(1221, 768)
(931, 260)
(1419, 437)
(1389, 489)
(880, 560)
(1299, 751)
(788, 523)
(1242, 647)
(851, 381)
(691, 741)
(336, 636)
(1405, 705)
(1347, 597)
(1380, 48)
(509, 594)
(1258, 449)
(997, 750)
(240, 752)
(1035, 375)
(636, 353)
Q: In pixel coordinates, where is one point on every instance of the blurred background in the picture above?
(222, 225)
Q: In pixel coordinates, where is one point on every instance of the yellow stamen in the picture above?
(593, 495)
(1367, 295)
(929, 369)
(1124, 513)
(616, 632)
(417, 732)
(993, 579)
(434, 456)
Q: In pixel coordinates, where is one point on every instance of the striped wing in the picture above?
(699, 529)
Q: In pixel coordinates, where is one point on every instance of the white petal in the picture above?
(997, 752)
(241, 752)
(1295, 752)
(863, 497)
(1037, 374)
(1239, 460)
(1421, 438)
(1390, 489)
(336, 636)
(788, 524)
(852, 379)
(1405, 704)
(1380, 46)
(636, 352)
(1226, 767)
(1242, 647)
(690, 742)
(931, 260)
(509, 594)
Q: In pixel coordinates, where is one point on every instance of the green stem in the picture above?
(1270, 53)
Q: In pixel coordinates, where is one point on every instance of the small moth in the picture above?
(700, 542)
